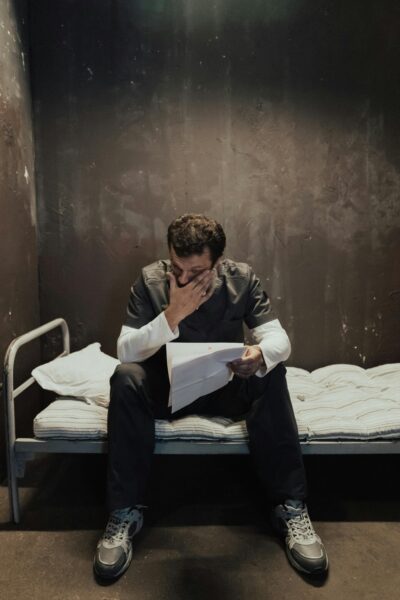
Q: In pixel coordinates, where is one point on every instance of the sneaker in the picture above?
(304, 547)
(114, 550)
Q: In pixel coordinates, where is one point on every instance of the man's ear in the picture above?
(218, 262)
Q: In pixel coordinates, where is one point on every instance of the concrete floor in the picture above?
(207, 534)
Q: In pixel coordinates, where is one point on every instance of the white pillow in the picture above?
(84, 374)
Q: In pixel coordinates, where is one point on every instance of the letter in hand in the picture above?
(183, 301)
(252, 360)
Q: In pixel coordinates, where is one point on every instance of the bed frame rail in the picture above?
(15, 461)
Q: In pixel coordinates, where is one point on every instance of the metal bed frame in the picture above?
(21, 450)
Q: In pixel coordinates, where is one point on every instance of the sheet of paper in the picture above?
(196, 369)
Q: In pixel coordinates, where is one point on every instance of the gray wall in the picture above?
(280, 119)
(19, 306)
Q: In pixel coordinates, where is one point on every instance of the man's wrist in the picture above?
(172, 317)
(262, 360)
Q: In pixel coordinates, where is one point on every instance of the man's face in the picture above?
(188, 267)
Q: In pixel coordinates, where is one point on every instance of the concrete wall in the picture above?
(280, 119)
(19, 306)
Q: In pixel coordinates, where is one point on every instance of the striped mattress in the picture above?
(336, 402)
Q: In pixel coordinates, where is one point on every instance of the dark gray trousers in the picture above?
(139, 395)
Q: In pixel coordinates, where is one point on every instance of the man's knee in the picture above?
(128, 374)
(279, 370)
(278, 373)
(269, 391)
(276, 377)
(128, 390)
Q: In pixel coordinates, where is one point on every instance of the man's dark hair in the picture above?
(191, 234)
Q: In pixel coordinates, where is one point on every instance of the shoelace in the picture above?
(117, 527)
(300, 526)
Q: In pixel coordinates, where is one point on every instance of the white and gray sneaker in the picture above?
(304, 547)
(114, 550)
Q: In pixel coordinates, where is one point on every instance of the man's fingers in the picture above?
(201, 279)
(246, 354)
(240, 362)
(245, 366)
(243, 374)
(206, 294)
(172, 280)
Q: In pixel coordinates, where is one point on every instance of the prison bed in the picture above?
(340, 409)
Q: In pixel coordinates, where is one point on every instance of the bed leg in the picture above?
(13, 491)
(20, 464)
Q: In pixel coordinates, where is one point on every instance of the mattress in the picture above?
(336, 402)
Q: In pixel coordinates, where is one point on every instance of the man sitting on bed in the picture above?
(199, 296)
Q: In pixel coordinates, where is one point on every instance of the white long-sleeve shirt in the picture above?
(136, 345)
